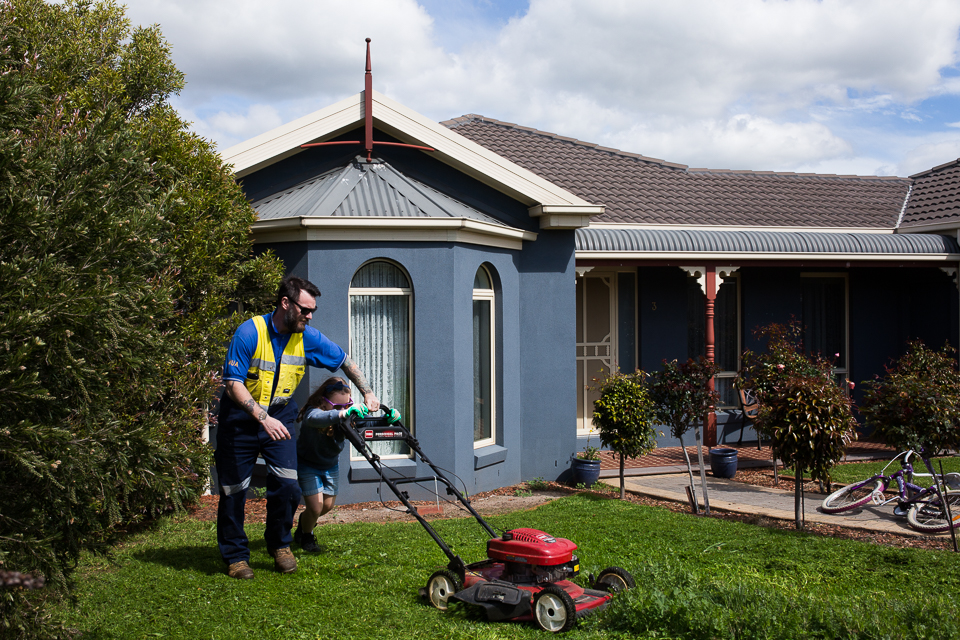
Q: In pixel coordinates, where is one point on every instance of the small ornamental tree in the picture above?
(916, 405)
(806, 415)
(624, 415)
(681, 397)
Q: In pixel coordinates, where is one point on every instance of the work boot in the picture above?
(307, 541)
(240, 570)
(283, 560)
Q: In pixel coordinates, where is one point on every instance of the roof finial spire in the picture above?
(368, 106)
(368, 141)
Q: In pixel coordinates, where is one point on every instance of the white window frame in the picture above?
(408, 420)
(490, 295)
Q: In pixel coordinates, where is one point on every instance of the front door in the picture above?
(596, 341)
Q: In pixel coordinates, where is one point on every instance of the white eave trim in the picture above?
(725, 257)
(943, 228)
(367, 229)
(409, 126)
(553, 216)
(686, 227)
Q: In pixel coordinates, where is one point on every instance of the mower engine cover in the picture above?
(531, 546)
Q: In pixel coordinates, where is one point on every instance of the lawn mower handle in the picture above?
(362, 431)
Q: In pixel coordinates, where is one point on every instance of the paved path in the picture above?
(738, 497)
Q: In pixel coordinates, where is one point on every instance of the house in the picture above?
(864, 263)
(483, 283)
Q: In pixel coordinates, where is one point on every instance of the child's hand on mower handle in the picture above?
(356, 411)
(392, 416)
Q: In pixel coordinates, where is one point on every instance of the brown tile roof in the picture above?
(637, 189)
(935, 197)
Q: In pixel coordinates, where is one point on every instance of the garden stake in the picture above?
(946, 504)
(703, 472)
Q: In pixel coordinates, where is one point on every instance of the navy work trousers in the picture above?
(239, 442)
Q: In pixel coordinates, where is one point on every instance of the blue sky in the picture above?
(828, 86)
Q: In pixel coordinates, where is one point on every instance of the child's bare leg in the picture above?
(313, 509)
(328, 503)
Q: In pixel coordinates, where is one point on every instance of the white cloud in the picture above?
(929, 154)
(231, 127)
(734, 84)
(743, 141)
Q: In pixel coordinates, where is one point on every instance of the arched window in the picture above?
(381, 318)
(484, 363)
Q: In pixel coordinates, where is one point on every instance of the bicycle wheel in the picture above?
(852, 496)
(930, 516)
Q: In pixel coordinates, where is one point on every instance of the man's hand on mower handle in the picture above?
(370, 399)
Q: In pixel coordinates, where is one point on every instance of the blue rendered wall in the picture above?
(548, 369)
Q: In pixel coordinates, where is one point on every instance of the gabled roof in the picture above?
(371, 200)
(555, 206)
(935, 200)
(647, 191)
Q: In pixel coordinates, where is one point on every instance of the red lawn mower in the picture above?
(527, 573)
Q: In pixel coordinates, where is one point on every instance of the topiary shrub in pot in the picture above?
(586, 466)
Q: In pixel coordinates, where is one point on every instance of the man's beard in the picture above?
(294, 321)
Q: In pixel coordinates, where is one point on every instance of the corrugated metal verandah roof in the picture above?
(364, 189)
(667, 241)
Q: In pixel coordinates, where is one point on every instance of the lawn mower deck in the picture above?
(528, 573)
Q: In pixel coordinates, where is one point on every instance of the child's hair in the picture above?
(323, 392)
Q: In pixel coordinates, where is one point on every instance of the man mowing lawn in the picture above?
(265, 362)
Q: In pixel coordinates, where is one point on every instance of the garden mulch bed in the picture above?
(521, 497)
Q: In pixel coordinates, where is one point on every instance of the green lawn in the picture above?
(697, 578)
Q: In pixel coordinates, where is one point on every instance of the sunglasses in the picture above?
(304, 310)
(345, 405)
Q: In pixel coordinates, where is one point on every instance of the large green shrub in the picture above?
(123, 241)
(916, 405)
(802, 410)
(624, 415)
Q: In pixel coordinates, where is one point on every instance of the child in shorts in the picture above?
(318, 453)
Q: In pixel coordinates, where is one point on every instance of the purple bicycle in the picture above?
(921, 505)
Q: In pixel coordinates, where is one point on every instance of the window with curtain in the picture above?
(726, 332)
(380, 340)
(484, 408)
(825, 318)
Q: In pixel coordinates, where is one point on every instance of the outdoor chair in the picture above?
(749, 408)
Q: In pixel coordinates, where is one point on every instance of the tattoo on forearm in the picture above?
(356, 376)
(255, 410)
